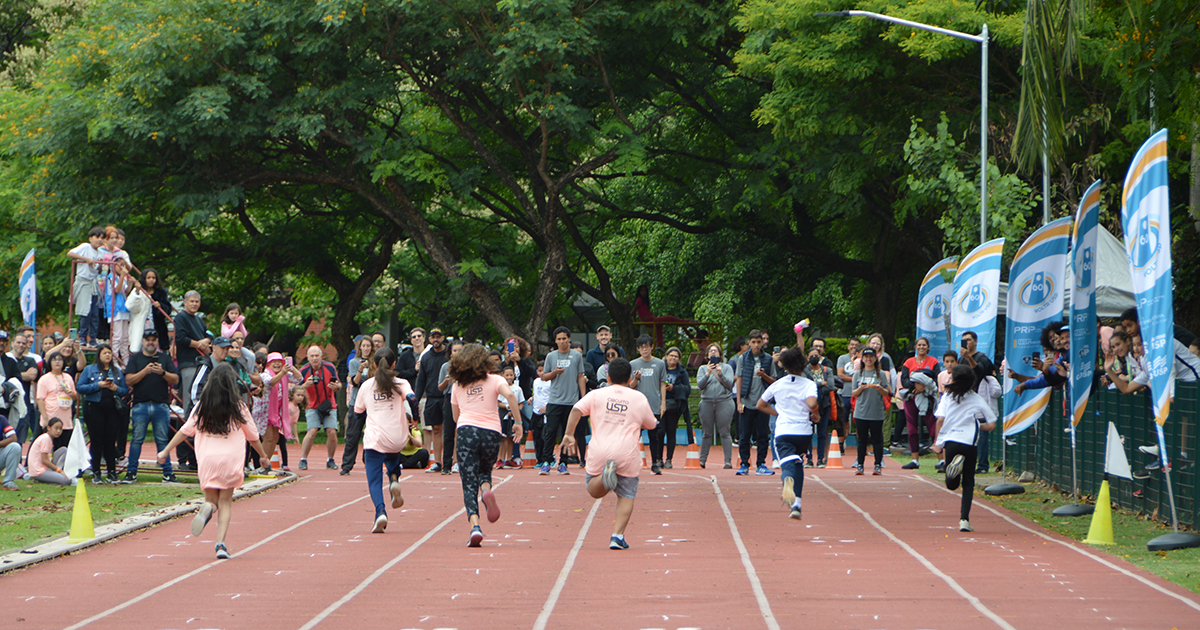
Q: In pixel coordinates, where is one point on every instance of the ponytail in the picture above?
(385, 373)
(962, 381)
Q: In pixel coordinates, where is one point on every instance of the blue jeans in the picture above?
(141, 415)
(375, 461)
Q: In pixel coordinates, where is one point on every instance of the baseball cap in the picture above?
(603, 327)
(869, 350)
(150, 332)
(436, 331)
(224, 342)
(3, 334)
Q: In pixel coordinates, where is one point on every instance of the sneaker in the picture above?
(476, 539)
(499, 465)
(913, 465)
(329, 464)
(203, 516)
(965, 526)
(727, 467)
(97, 479)
(795, 514)
(304, 464)
(380, 524)
(763, 471)
(878, 470)
(344, 472)
(265, 470)
(446, 471)
(789, 491)
(454, 468)
(617, 543)
(544, 469)
(1154, 465)
(858, 470)
(516, 463)
(982, 469)
(775, 465)
(222, 552)
(953, 471)
(655, 468)
(743, 470)
(609, 477)
(807, 463)
(130, 477)
(667, 464)
(1140, 474)
(489, 501)
(170, 478)
(821, 464)
(112, 478)
(1149, 450)
(562, 469)
(9, 485)
(286, 469)
(887, 451)
(397, 498)
(940, 466)
(434, 467)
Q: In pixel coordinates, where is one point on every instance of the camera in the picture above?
(714, 360)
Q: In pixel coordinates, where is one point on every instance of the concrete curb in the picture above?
(58, 547)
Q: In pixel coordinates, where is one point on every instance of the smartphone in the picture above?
(73, 334)
(1037, 355)
(512, 346)
(289, 362)
(776, 350)
(714, 360)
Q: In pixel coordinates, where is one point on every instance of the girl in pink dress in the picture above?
(222, 426)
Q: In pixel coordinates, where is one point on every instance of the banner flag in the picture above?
(933, 303)
(1083, 302)
(27, 287)
(976, 287)
(1115, 462)
(1146, 220)
(78, 457)
(1035, 299)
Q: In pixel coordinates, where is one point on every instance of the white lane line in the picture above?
(552, 600)
(999, 621)
(168, 584)
(1072, 547)
(763, 605)
(391, 563)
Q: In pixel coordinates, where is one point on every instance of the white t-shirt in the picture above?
(87, 272)
(386, 426)
(790, 395)
(517, 393)
(541, 395)
(961, 418)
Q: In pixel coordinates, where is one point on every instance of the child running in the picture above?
(384, 399)
(222, 426)
(961, 415)
(477, 440)
(795, 399)
(619, 413)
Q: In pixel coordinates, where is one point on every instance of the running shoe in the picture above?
(795, 513)
(130, 477)
(97, 479)
(953, 470)
(447, 471)
(380, 524)
(562, 469)
(397, 498)
(763, 471)
(727, 467)
(981, 470)
(1154, 465)
(476, 539)
(808, 463)
(656, 468)
(913, 465)
(304, 464)
(878, 471)
(203, 515)
(112, 478)
(667, 464)
(329, 464)
(344, 472)
(940, 466)
(609, 477)
(1149, 450)
(821, 464)
(743, 470)
(222, 552)
(434, 467)
(544, 469)
(489, 501)
(858, 470)
(617, 543)
(9, 485)
(454, 468)
(1140, 474)
(965, 526)
(170, 478)
(789, 492)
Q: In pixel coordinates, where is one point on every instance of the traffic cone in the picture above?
(81, 518)
(834, 459)
(530, 456)
(693, 458)
(1101, 533)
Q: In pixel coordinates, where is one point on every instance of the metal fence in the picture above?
(1045, 450)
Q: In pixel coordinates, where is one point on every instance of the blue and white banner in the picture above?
(1035, 299)
(976, 287)
(27, 287)
(933, 305)
(1083, 302)
(1146, 220)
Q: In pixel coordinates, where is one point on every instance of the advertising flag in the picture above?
(27, 285)
(1035, 299)
(1083, 301)
(1146, 220)
(976, 286)
(933, 303)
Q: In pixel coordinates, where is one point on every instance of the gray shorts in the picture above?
(626, 486)
(317, 421)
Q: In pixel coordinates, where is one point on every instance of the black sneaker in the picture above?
(97, 479)
(655, 468)
(617, 543)
(113, 478)
(940, 466)
(1140, 474)
(330, 464)
(130, 477)
(476, 539)
(344, 472)
(170, 478)
(913, 465)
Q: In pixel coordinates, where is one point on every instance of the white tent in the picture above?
(1114, 289)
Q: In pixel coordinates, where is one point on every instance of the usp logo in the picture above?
(936, 307)
(1145, 247)
(974, 301)
(1037, 290)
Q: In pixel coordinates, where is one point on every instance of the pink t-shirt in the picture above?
(220, 458)
(56, 391)
(477, 402)
(943, 380)
(43, 445)
(386, 427)
(618, 415)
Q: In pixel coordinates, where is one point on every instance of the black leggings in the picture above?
(670, 427)
(966, 479)
(476, 450)
(283, 461)
(870, 432)
(102, 423)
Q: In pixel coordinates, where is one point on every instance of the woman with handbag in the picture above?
(103, 388)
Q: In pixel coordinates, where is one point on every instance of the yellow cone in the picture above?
(81, 519)
(1101, 533)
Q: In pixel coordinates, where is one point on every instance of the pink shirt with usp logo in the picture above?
(618, 415)
(477, 402)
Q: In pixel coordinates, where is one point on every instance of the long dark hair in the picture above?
(99, 349)
(385, 373)
(962, 381)
(220, 409)
(157, 280)
(470, 365)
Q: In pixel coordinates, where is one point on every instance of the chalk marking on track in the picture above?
(764, 606)
(170, 583)
(922, 559)
(1072, 547)
(391, 563)
(552, 600)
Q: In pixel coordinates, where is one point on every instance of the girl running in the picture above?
(473, 404)
(383, 400)
(222, 426)
(795, 399)
(961, 415)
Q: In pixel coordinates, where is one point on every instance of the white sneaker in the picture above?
(397, 498)
(381, 524)
(454, 468)
(1149, 450)
(965, 526)
(775, 465)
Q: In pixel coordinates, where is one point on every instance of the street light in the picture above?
(982, 39)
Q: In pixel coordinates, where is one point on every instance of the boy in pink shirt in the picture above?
(618, 414)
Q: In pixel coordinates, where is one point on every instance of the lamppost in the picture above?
(982, 40)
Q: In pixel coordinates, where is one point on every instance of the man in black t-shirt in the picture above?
(29, 371)
(150, 375)
(982, 366)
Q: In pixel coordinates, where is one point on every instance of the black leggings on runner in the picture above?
(476, 450)
(967, 478)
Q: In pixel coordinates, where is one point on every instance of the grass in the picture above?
(39, 512)
(1131, 531)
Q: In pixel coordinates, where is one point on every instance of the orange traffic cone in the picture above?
(835, 453)
(693, 458)
(529, 460)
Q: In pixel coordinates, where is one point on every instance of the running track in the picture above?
(871, 552)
